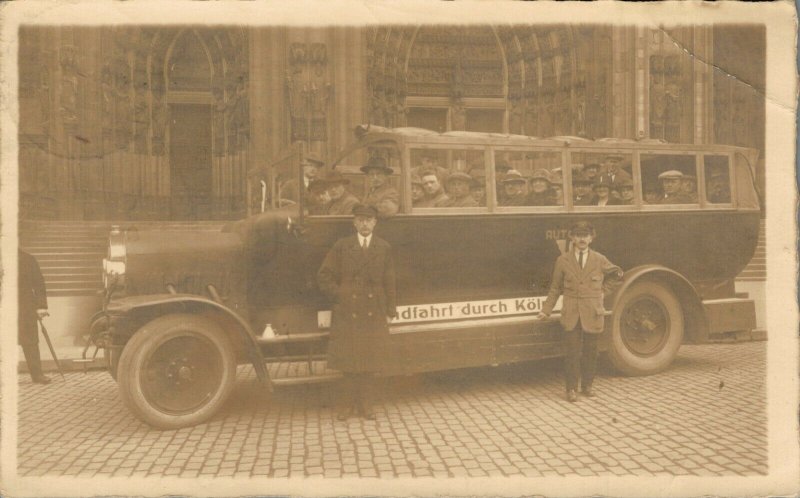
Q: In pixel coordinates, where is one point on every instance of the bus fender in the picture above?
(696, 325)
(182, 303)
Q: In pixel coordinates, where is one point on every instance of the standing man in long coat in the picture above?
(32, 306)
(359, 278)
(581, 275)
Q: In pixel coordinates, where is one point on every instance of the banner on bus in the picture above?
(462, 310)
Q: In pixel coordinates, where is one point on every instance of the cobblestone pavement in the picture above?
(704, 416)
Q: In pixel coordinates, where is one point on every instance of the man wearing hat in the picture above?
(311, 165)
(501, 169)
(624, 190)
(477, 188)
(583, 195)
(718, 189)
(671, 188)
(434, 194)
(358, 276)
(540, 194)
(382, 195)
(602, 194)
(318, 198)
(591, 172)
(342, 201)
(457, 185)
(581, 276)
(689, 187)
(417, 190)
(515, 189)
(612, 172)
(557, 187)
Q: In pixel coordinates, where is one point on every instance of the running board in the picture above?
(289, 373)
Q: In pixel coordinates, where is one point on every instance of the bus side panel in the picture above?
(527, 341)
(428, 351)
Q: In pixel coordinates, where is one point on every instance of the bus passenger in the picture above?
(625, 191)
(318, 199)
(612, 171)
(540, 194)
(602, 194)
(477, 188)
(652, 195)
(515, 188)
(417, 190)
(689, 187)
(457, 186)
(434, 194)
(430, 163)
(671, 186)
(591, 172)
(583, 191)
(342, 201)
(358, 276)
(311, 165)
(581, 276)
(382, 195)
(558, 188)
(718, 190)
(501, 169)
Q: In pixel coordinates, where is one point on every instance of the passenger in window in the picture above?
(612, 170)
(434, 194)
(557, 188)
(602, 194)
(624, 189)
(592, 172)
(540, 194)
(457, 186)
(382, 195)
(718, 189)
(671, 186)
(342, 201)
(477, 187)
(417, 190)
(652, 195)
(515, 189)
(583, 191)
(501, 169)
(318, 199)
(430, 163)
(311, 166)
(689, 187)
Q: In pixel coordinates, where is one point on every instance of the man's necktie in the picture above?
(580, 259)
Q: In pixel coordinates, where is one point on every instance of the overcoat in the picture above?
(361, 284)
(385, 199)
(344, 205)
(582, 289)
(32, 296)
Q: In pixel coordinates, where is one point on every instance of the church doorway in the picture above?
(190, 161)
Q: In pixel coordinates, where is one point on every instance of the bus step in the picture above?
(301, 372)
(294, 338)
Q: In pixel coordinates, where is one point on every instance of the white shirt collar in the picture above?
(361, 240)
(578, 255)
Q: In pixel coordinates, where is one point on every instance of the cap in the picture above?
(541, 174)
(317, 185)
(673, 173)
(591, 165)
(581, 180)
(514, 176)
(458, 175)
(335, 178)
(581, 228)
(377, 162)
(364, 210)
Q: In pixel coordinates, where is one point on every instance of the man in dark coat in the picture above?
(582, 276)
(342, 201)
(32, 306)
(359, 278)
(382, 195)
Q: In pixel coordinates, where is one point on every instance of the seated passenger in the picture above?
(689, 187)
(501, 169)
(602, 193)
(718, 189)
(557, 186)
(583, 191)
(540, 194)
(652, 195)
(612, 170)
(342, 201)
(382, 195)
(434, 195)
(430, 163)
(515, 189)
(417, 191)
(457, 186)
(317, 200)
(625, 191)
(671, 186)
(592, 172)
(311, 166)
(477, 187)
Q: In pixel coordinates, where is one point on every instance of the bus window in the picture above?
(718, 182)
(529, 178)
(669, 179)
(448, 178)
(602, 178)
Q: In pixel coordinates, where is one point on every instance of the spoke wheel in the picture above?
(176, 371)
(647, 329)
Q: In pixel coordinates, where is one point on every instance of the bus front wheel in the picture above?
(176, 371)
(647, 329)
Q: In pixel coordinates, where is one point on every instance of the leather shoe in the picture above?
(344, 413)
(366, 411)
(41, 379)
(588, 392)
(572, 396)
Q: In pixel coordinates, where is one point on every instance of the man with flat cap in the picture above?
(457, 186)
(311, 165)
(612, 172)
(342, 201)
(515, 189)
(581, 276)
(671, 188)
(381, 195)
(358, 276)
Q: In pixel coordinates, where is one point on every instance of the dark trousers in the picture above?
(33, 359)
(356, 391)
(580, 357)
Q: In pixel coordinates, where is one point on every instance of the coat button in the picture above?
(370, 296)
(355, 296)
(369, 314)
(355, 315)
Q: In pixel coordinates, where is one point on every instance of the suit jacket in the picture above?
(343, 205)
(619, 175)
(385, 199)
(439, 200)
(32, 297)
(361, 284)
(583, 290)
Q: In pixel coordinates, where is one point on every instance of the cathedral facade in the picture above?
(163, 123)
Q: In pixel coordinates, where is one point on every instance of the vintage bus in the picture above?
(183, 309)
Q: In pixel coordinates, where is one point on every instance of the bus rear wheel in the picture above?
(647, 329)
(176, 371)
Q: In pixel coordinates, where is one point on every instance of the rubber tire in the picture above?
(627, 362)
(145, 341)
